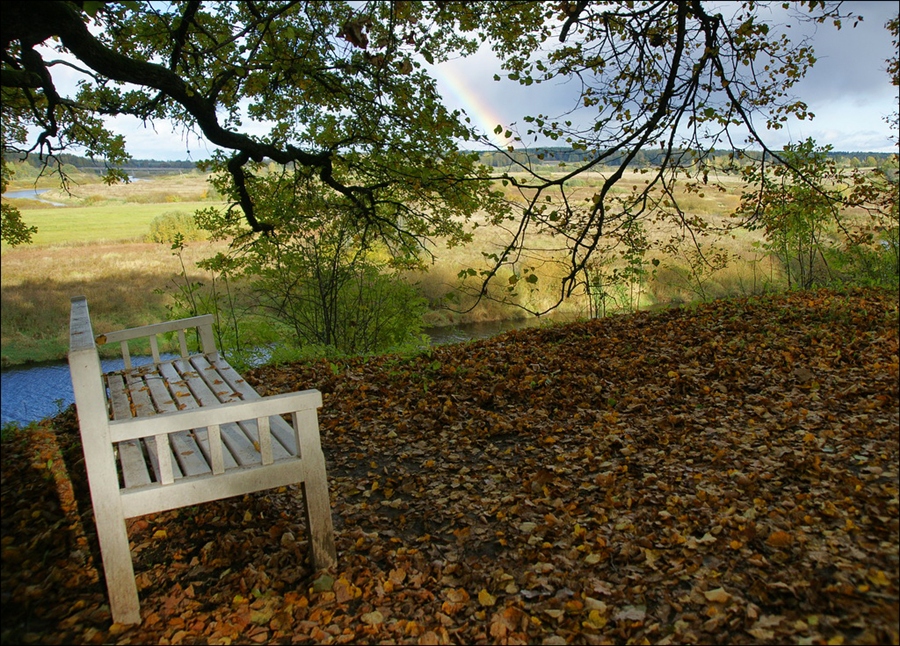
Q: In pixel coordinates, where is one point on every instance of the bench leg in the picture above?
(100, 464)
(119, 570)
(316, 504)
(317, 509)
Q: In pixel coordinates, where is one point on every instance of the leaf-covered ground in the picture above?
(726, 473)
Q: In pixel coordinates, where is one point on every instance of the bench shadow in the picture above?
(52, 568)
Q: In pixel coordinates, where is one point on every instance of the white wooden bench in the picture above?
(183, 432)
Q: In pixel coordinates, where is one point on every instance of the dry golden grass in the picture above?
(120, 280)
(679, 277)
(169, 189)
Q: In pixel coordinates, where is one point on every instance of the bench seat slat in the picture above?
(238, 450)
(241, 438)
(208, 392)
(221, 371)
(184, 446)
(184, 394)
(143, 407)
(131, 454)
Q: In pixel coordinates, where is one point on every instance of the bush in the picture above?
(164, 228)
(876, 264)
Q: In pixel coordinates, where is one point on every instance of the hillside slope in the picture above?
(725, 473)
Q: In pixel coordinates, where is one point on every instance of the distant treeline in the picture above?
(497, 159)
(86, 163)
(653, 158)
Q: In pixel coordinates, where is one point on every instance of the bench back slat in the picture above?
(154, 349)
(203, 324)
(126, 354)
(216, 457)
(265, 440)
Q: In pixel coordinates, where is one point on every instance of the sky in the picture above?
(848, 90)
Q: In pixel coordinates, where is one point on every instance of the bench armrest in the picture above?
(81, 335)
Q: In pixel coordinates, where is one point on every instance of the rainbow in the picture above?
(458, 95)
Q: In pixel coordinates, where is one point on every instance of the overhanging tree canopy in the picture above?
(340, 88)
(348, 102)
(686, 79)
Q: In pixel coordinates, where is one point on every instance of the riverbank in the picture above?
(725, 473)
(32, 391)
(133, 283)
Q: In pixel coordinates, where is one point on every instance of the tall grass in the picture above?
(125, 285)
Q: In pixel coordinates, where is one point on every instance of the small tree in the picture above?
(318, 275)
(794, 202)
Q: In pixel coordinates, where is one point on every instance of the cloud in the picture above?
(852, 61)
(847, 89)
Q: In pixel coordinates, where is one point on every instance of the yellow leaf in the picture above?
(717, 595)
(878, 577)
(595, 620)
(485, 598)
(160, 534)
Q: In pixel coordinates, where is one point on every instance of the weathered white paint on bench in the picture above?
(184, 432)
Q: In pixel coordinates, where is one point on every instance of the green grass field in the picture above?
(109, 222)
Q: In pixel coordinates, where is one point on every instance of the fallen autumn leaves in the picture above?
(726, 473)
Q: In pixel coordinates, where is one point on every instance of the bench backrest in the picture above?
(203, 324)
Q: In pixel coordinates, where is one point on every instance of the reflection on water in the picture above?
(471, 331)
(33, 392)
(28, 194)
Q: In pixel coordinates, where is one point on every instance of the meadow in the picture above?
(97, 246)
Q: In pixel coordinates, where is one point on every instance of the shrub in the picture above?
(164, 228)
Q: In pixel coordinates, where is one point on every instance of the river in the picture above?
(32, 194)
(35, 391)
